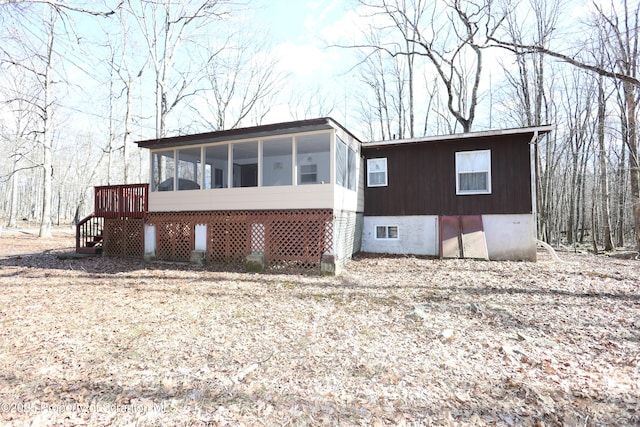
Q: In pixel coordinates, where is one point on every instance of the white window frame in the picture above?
(475, 169)
(370, 163)
(386, 230)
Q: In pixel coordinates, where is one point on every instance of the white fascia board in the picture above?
(462, 136)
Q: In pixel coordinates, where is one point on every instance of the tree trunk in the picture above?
(126, 137)
(593, 221)
(621, 189)
(604, 187)
(13, 201)
(574, 192)
(47, 143)
(634, 167)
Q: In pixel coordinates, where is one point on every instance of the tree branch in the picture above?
(521, 49)
(62, 5)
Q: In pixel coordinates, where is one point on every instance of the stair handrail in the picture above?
(81, 230)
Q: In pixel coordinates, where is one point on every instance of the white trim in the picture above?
(259, 180)
(386, 173)
(294, 160)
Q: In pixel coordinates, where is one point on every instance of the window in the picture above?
(386, 231)
(377, 172)
(277, 162)
(245, 164)
(163, 170)
(218, 178)
(189, 168)
(313, 158)
(216, 165)
(351, 168)
(308, 174)
(341, 162)
(346, 168)
(473, 172)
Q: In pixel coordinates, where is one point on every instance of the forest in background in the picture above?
(80, 82)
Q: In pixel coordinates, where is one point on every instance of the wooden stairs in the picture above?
(89, 238)
(110, 202)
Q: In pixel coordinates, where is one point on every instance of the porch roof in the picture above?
(273, 129)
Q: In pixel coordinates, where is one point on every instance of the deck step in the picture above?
(95, 250)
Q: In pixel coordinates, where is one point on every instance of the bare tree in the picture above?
(602, 163)
(528, 95)
(125, 72)
(17, 131)
(35, 53)
(59, 6)
(37, 59)
(46, 80)
(375, 74)
(528, 82)
(166, 26)
(237, 77)
(578, 102)
(619, 24)
(310, 103)
(451, 35)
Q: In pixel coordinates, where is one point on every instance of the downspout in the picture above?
(534, 182)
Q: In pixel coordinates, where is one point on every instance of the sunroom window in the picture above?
(352, 169)
(346, 169)
(313, 151)
(163, 166)
(216, 166)
(189, 168)
(341, 163)
(473, 172)
(245, 164)
(277, 161)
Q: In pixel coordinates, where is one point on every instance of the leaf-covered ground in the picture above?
(392, 341)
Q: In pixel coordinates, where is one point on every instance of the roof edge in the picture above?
(481, 134)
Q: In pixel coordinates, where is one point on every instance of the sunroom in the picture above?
(287, 191)
(294, 166)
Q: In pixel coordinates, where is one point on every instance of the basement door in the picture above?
(462, 236)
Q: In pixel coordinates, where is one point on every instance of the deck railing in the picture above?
(122, 201)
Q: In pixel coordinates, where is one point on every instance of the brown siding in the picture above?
(421, 178)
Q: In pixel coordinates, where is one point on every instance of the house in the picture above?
(308, 195)
(464, 195)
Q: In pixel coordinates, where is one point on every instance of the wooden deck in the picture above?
(110, 202)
